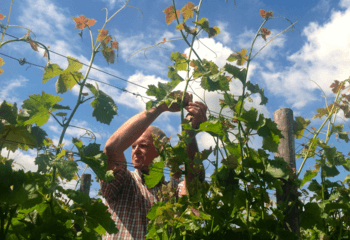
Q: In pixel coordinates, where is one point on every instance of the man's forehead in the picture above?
(145, 137)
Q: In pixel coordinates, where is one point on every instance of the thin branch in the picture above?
(206, 47)
(324, 94)
(136, 8)
(285, 30)
(87, 99)
(7, 24)
(56, 119)
(145, 48)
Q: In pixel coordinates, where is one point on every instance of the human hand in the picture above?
(175, 107)
(196, 113)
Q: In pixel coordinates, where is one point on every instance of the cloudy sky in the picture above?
(317, 50)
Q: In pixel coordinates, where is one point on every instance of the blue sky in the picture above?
(317, 50)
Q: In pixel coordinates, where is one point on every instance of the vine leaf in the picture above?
(277, 168)
(102, 36)
(68, 78)
(33, 45)
(266, 14)
(162, 93)
(170, 14)
(255, 89)
(82, 22)
(1, 62)
(104, 106)
(2, 16)
(264, 33)
(335, 86)
(40, 107)
(323, 111)
(239, 56)
(155, 173)
(309, 175)
(13, 134)
(300, 126)
(108, 53)
(236, 72)
(115, 45)
(271, 135)
(180, 61)
(95, 158)
(204, 23)
(187, 11)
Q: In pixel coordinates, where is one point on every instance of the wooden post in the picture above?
(283, 117)
(85, 183)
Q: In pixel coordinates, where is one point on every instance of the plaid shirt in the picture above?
(128, 200)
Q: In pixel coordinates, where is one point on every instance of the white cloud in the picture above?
(113, 3)
(323, 6)
(223, 36)
(22, 160)
(9, 91)
(323, 58)
(344, 3)
(131, 100)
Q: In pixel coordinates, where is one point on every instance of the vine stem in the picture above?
(318, 132)
(7, 24)
(79, 100)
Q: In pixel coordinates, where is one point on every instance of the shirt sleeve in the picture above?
(111, 189)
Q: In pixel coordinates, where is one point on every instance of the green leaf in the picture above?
(335, 206)
(271, 135)
(309, 174)
(255, 89)
(8, 112)
(314, 186)
(277, 168)
(39, 107)
(173, 75)
(180, 61)
(104, 106)
(311, 216)
(155, 173)
(330, 171)
(60, 107)
(162, 93)
(98, 164)
(51, 70)
(213, 127)
(240, 73)
(22, 137)
(43, 162)
(250, 119)
(66, 169)
(70, 76)
(61, 114)
(300, 126)
(204, 23)
(220, 83)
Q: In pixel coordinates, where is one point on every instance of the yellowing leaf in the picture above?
(170, 14)
(239, 56)
(82, 22)
(1, 62)
(1, 71)
(109, 54)
(2, 16)
(187, 11)
(102, 36)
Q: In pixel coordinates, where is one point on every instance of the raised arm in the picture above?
(131, 130)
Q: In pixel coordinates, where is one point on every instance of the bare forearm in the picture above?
(132, 129)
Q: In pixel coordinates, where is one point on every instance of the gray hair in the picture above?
(157, 132)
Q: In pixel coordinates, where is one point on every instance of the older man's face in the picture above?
(143, 152)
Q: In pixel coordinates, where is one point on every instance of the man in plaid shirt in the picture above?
(127, 197)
